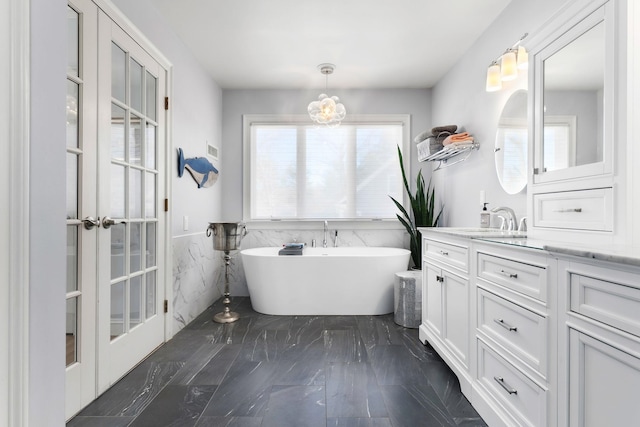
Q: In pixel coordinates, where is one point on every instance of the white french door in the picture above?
(115, 186)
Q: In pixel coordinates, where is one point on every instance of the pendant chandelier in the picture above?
(327, 110)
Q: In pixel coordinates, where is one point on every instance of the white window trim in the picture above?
(250, 119)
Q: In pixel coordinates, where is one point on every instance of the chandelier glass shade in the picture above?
(327, 110)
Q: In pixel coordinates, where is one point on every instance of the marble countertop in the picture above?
(622, 254)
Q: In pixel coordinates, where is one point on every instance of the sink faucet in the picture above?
(511, 222)
(326, 231)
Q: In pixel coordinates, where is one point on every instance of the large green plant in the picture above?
(423, 212)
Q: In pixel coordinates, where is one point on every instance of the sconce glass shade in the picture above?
(494, 82)
(509, 66)
(523, 58)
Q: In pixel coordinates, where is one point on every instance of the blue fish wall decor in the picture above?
(201, 169)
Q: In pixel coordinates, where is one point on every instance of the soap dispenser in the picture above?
(485, 216)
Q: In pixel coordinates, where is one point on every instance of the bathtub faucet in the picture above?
(326, 231)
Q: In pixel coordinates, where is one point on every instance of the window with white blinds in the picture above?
(299, 171)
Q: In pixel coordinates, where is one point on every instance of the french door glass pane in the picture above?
(72, 186)
(117, 309)
(135, 193)
(150, 147)
(117, 250)
(151, 245)
(117, 132)
(135, 246)
(72, 258)
(72, 41)
(150, 195)
(118, 72)
(135, 140)
(136, 73)
(151, 97)
(135, 302)
(73, 90)
(72, 331)
(117, 191)
(151, 294)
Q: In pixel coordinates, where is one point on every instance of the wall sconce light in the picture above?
(506, 67)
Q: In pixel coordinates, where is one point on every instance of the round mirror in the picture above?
(511, 144)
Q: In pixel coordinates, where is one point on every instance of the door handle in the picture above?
(89, 222)
(108, 222)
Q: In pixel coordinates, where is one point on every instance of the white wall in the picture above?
(460, 98)
(416, 102)
(47, 212)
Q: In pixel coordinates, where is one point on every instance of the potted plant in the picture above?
(423, 213)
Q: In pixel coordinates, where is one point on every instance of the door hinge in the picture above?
(166, 205)
(166, 102)
(166, 306)
(535, 171)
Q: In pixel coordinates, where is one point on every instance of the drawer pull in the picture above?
(509, 275)
(444, 253)
(507, 326)
(440, 279)
(569, 210)
(505, 386)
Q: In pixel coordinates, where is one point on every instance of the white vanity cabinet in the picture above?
(600, 330)
(445, 311)
(514, 334)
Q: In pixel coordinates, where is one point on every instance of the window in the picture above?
(559, 142)
(297, 171)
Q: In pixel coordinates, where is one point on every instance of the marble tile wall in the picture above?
(198, 277)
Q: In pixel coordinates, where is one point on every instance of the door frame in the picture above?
(128, 27)
(15, 193)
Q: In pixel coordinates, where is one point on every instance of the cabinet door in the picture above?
(603, 383)
(455, 307)
(432, 310)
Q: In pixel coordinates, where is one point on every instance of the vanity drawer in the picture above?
(525, 278)
(522, 397)
(519, 330)
(611, 303)
(447, 253)
(578, 210)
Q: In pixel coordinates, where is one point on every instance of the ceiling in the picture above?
(260, 44)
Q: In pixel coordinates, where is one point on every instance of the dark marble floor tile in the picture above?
(304, 330)
(344, 346)
(214, 371)
(393, 365)
(340, 322)
(378, 330)
(176, 405)
(359, 422)
(352, 391)
(199, 358)
(415, 405)
(80, 421)
(300, 372)
(229, 422)
(443, 381)
(296, 406)
(132, 393)
(244, 390)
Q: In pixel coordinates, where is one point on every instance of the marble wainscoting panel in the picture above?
(257, 238)
(198, 277)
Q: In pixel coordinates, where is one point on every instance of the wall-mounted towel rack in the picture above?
(447, 153)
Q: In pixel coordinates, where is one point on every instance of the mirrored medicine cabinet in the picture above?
(573, 101)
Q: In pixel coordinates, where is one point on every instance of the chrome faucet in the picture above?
(326, 232)
(511, 220)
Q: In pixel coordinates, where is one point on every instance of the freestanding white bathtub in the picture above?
(323, 281)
